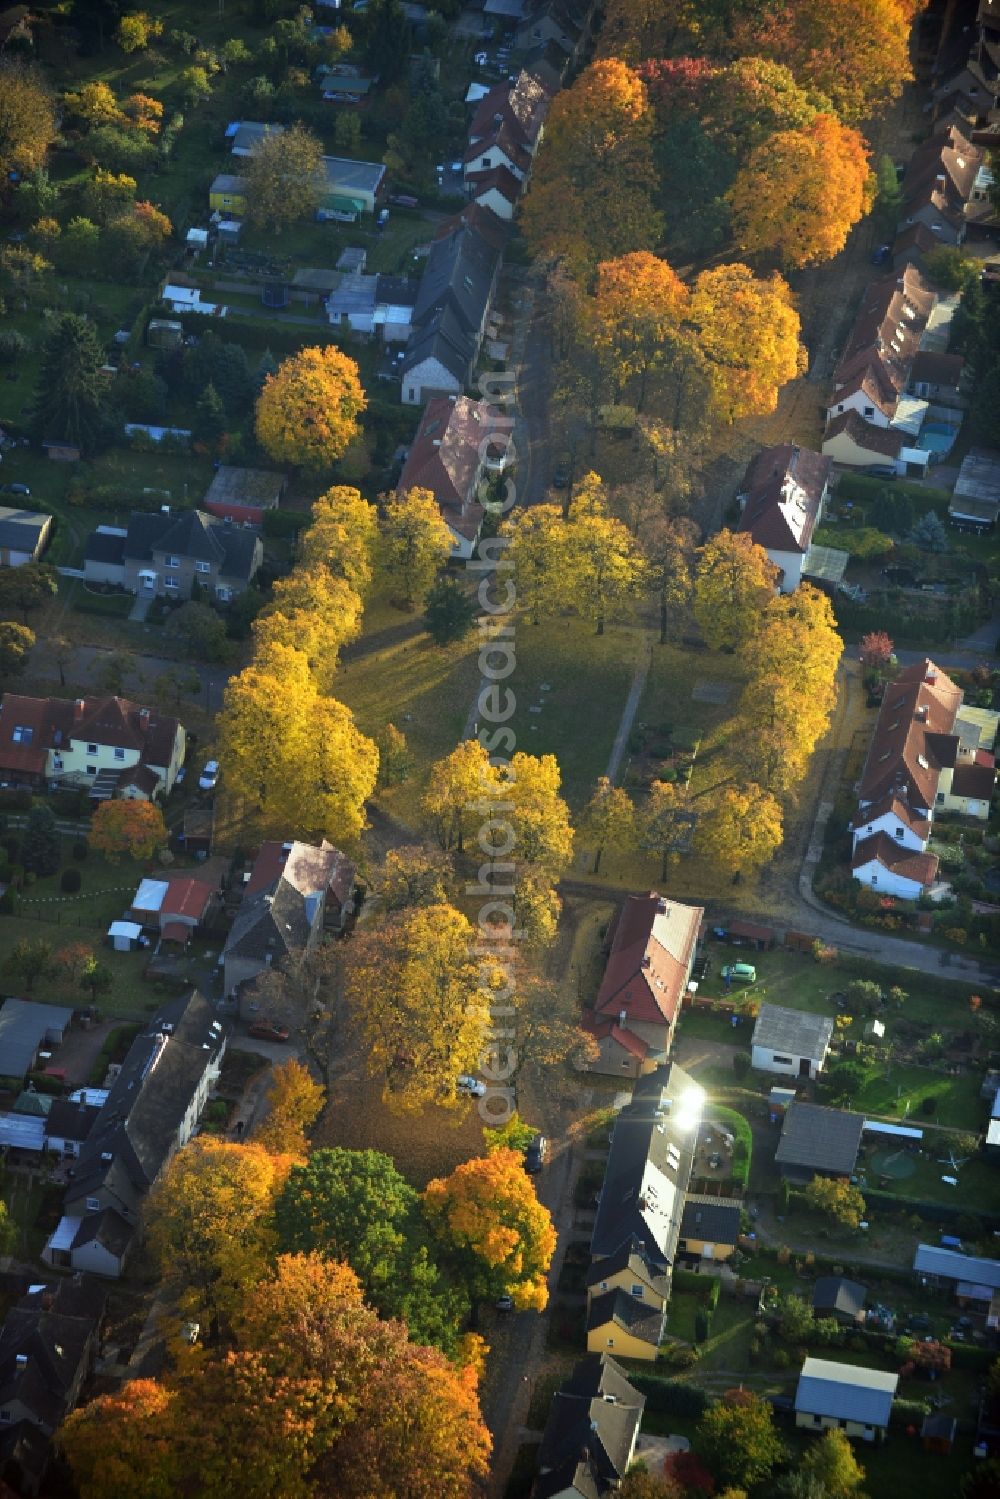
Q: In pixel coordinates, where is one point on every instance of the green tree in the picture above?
(41, 846)
(202, 632)
(387, 38)
(31, 959)
(16, 643)
(71, 398)
(984, 412)
(285, 178)
(209, 416)
(796, 1319)
(449, 611)
(737, 1439)
(888, 196)
(609, 817)
(27, 587)
(831, 1460)
(929, 533)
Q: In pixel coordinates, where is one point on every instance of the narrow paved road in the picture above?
(643, 662)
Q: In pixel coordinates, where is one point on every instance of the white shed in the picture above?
(124, 935)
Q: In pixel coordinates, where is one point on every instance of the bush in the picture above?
(81, 848)
(15, 801)
(70, 881)
(282, 524)
(114, 605)
(44, 1084)
(742, 1063)
(908, 1412)
(8, 901)
(671, 1397)
(702, 1324)
(13, 346)
(70, 803)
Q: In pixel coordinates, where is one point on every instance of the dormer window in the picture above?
(23, 734)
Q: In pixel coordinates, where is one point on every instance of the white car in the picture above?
(209, 777)
(470, 1085)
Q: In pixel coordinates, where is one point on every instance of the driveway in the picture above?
(80, 1049)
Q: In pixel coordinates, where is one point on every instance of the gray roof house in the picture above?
(165, 555)
(793, 1043)
(590, 1436)
(449, 315)
(151, 1110)
(857, 1400)
(295, 892)
(936, 1264)
(835, 1296)
(25, 1028)
(23, 535)
(247, 135)
(815, 1140)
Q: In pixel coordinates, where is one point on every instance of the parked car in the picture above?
(470, 1085)
(560, 476)
(535, 1155)
(740, 973)
(879, 471)
(15, 489)
(209, 778)
(504, 1303)
(882, 255)
(268, 1030)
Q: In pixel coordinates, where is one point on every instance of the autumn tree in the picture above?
(210, 1222)
(31, 958)
(27, 118)
(416, 544)
(295, 1102)
(801, 192)
(127, 828)
(543, 1030)
(488, 1215)
(95, 103)
(537, 553)
(119, 1445)
(837, 1199)
(342, 537)
(284, 178)
(609, 817)
(308, 412)
(740, 828)
(832, 1463)
(667, 546)
(752, 99)
(413, 875)
(733, 586)
(539, 814)
(16, 645)
(137, 30)
(415, 1000)
(666, 822)
(314, 612)
(601, 564)
(456, 788)
(634, 313)
(737, 1439)
(597, 136)
(743, 332)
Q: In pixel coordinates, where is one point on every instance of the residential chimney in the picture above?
(144, 719)
(78, 708)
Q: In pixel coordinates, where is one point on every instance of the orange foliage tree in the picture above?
(591, 195)
(801, 192)
(308, 411)
(488, 1212)
(127, 827)
(744, 335)
(634, 314)
(119, 1446)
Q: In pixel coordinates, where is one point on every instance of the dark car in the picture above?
(560, 477)
(15, 489)
(882, 255)
(268, 1030)
(534, 1156)
(880, 471)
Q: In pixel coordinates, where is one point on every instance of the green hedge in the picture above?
(743, 1135)
(281, 524)
(908, 1412)
(112, 605)
(934, 1212)
(864, 487)
(280, 338)
(704, 1286)
(968, 1356)
(673, 1397)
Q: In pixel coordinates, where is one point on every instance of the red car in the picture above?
(266, 1030)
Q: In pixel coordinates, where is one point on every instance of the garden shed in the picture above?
(124, 935)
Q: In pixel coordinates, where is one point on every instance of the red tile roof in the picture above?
(884, 442)
(947, 154)
(932, 368)
(913, 736)
(502, 139)
(477, 216)
(650, 960)
(186, 897)
(175, 931)
(974, 780)
(501, 178)
(521, 107)
(888, 326)
(893, 805)
(909, 864)
(112, 721)
(784, 487)
(446, 458)
(28, 718)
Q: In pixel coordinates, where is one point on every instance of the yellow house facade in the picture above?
(710, 1226)
(228, 194)
(855, 1400)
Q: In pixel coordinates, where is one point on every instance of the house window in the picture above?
(57, 762)
(611, 1342)
(487, 163)
(203, 567)
(874, 879)
(119, 753)
(22, 734)
(604, 1285)
(940, 798)
(637, 1291)
(783, 1061)
(817, 1420)
(899, 832)
(223, 594)
(92, 770)
(170, 581)
(91, 749)
(93, 1205)
(869, 411)
(4, 1415)
(171, 562)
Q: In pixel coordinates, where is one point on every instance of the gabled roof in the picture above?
(892, 804)
(106, 1228)
(53, 1332)
(650, 960)
(819, 1139)
(833, 1293)
(847, 1392)
(284, 899)
(948, 154)
(916, 238)
(713, 1219)
(446, 457)
(631, 1256)
(797, 1032)
(500, 178)
(459, 275)
(193, 535)
(187, 897)
(490, 227)
(892, 316)
(105, 545)
(20, 529)
(24, 1025)
(70, 1121)
(501, 139)
(445, 338)
(257, 487)
(975, 778)
(913, 736)
(784, 487)
(520, 106)
(649, 1167)
(886, 442)
(930, 1259)
(597, 1409)
(640, 1319)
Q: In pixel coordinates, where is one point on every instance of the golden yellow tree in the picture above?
(745, 331)
(416, 544)
(739, 829)
(539, 815)
(294, 1102)
(457, 789)
(27, 118)
(338, 773)
(598, 137)
(601, 563)
(308, 411)
(609, 817)
(733, 586)
(537, 552)
(666, 822)
(416, 1002)
(801, 192)
(342, 536)
(314, 612)
(635, 312)
(284, 178)
(488, 1209)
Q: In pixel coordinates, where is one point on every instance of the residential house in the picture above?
(342, 84)
(912, 246)
(106, 745)
(975, 1282)
(227, 194)
(246, 135)
(844, 1300)
(395, 299)
(449, 315)
(793, 1043)
(373, 304)
(68, 1125)
(852, 441)
(938, 184)
(975, 501)
(181, 296)
(104, 555)
(782, 496)
(518, 108)
(937, 377)
(642, 1203)
(495, 188)
(48, 1345)
(164, 555)
(590, 1435)
(710, 1227)
(295, 892)
(152, 1109)
(817, 1141)
(847, 1397)
(24, 535)
(174, 907)
(649, 967)
(628, 1274)
(458, 442)
(26, 1029)
(351, 187)
(489, 226)
(351, 305)
(243, 496)
(546, 61)
(561, 23)
(928, 752)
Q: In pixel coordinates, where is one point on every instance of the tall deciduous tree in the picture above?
(119, 1446)
(457, 788)
(636, 309)
(609, 817)
(16, 644)
(734, 584)
(538, 539)
(601, 563)
(740, 829)
(131, 828)
(744, 330)
(801, 192)
(416, 1001)
(342, 537)
(597, 136)
(539, 815)
(667, 546)
(416, 544)
(737, 1439)
(308, 412)
(295, 1102)
(487, 1211)
(27, 118)
(284, 178)
(71, 400)
(666, 822)
(314, 612)
(832, 1462)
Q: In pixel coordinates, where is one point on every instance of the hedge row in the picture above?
(934, 1212)
(280, 338)
(113, 605)
(704, 1286)
(672, 1397)
(863, 487)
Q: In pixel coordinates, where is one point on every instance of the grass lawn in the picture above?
(979, 1188)
(30, 1205)
(898, 1089)
(129, 996)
